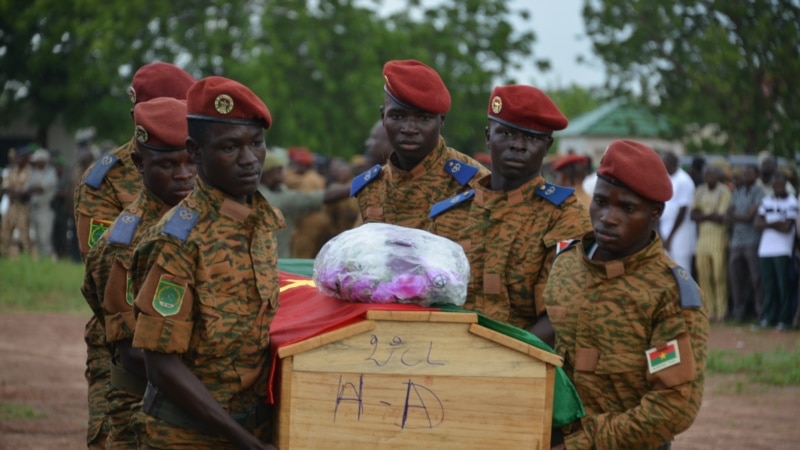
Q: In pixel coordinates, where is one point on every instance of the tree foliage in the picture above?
(316, 64)
(733, 64)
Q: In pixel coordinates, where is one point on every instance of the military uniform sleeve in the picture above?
(675, 393)
(572, 222)
(118, 302)
(165, 297)
(300, 203)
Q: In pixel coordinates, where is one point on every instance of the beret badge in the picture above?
(141, 134)
(223, 104)
(497, 104)
(132, 94)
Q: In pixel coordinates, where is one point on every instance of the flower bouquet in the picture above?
(383, 263)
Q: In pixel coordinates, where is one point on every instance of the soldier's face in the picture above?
(623, 222)
(231, 158)
(516, 155)
(170, 175)
(411, 132)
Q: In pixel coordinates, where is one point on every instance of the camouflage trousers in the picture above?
(122, 407)
(98, 377)
(157, 434)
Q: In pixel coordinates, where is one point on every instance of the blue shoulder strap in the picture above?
(690, 294)
(444, 205)
(364, 178)
(123, 229)
(554, 193)
(181, 222)
(460, 170)
(99, 170)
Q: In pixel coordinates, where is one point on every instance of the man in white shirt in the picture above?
(776, 217)
(676, 227)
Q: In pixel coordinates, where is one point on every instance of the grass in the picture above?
(13, 411)
(41, 286)
(779, 367)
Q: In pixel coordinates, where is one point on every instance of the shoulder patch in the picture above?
(123, 229)
(444, 205)
(99, 170)
(364, 178)
(563, 246)
(690, 294)
(460, 170)
(181, 222)
(96, 229)
(554, 193)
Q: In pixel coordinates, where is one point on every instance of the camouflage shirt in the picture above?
(606, 317)
(510, 239)
(205, 281)
(107, 186)
(389, 194)
(115, 248)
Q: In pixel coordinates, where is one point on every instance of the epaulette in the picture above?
(123, 229)
(181, 222)
(690, 294)
(565, 245)
(364, 178)
(444, 205)
(99, 170)
(554, 193)
(460, 170)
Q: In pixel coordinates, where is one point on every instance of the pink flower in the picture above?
(407, 286)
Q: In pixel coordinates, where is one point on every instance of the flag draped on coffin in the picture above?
(305, 312)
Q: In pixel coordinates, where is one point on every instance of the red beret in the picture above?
(638, 168)
(415, 85)
(220, 99)
(301, 155)
(159, 79)
(525, 108)
(572, 158)
(161, 124)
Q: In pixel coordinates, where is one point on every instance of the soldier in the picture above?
(422, 169)
(167, 177)
(108, 186)
(18, 215)
(510, 223)
(628, 320)
(570, 171)
(205, 281)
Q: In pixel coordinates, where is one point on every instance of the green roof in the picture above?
(616, 118)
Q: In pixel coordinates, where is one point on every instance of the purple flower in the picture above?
(408, 286)
(383, 294)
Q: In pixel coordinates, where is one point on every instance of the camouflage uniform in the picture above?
(113, 251)
(206, 284)
(510, 239)
(391, 195)
(307, 231)
(606, 315)
(107, 186)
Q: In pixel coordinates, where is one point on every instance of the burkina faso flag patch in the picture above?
(169, 296)
(661, 358)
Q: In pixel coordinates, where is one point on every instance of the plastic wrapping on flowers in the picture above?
(383, 263)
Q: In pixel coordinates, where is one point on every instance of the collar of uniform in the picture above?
(486, 197)
(619, 267)
(148, 206)
(433, 161)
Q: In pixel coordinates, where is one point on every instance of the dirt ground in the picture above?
(42, 361)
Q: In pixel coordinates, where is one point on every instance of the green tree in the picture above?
(731, 64)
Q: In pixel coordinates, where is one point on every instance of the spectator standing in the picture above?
(776, 218)
(675, 226)
(711, 201)
(41, 187)
(743, 265)
(17, 217)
